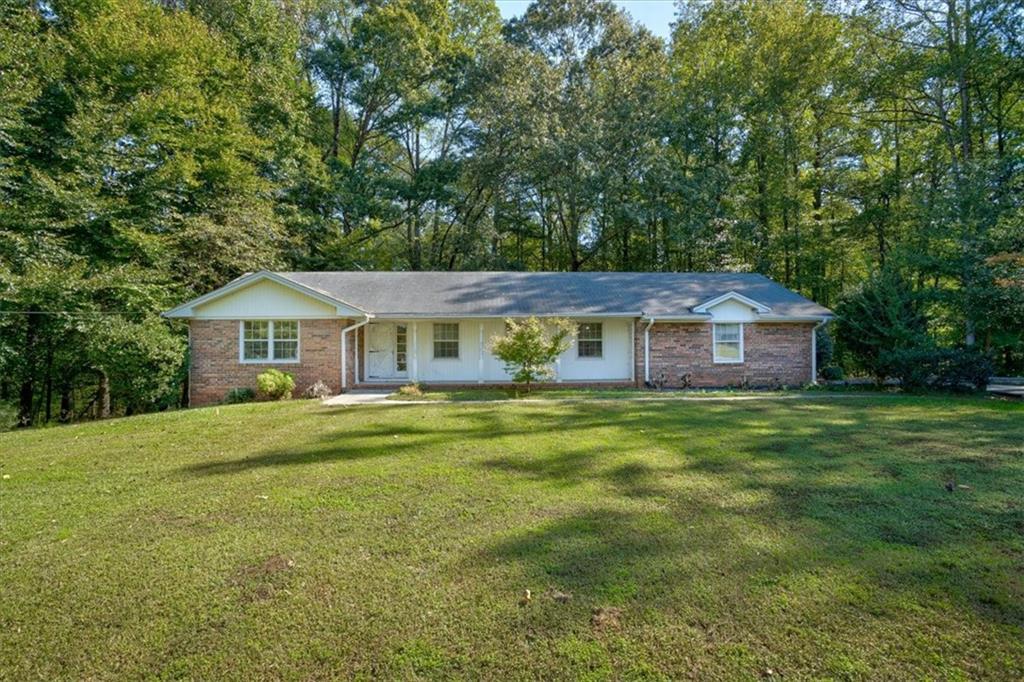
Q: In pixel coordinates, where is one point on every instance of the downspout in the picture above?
(647, 352)
(814, 351)
(344, 351)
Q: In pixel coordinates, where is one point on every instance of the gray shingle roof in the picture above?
(549, 293)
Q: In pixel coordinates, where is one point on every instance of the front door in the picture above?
(380, 350)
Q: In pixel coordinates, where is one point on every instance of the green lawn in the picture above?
(439, 393)
(815, 538)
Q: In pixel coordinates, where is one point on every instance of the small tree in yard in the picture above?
(530, 347)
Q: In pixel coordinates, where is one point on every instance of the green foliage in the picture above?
(824, 346)
(239, 395)
(530, 347)
(881, 316)
(833, 373)
(274, 384)
(153, 150)
(928, 367)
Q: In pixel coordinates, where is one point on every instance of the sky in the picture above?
(654, 14)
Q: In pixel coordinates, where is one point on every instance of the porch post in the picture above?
(480, 357)
(414, 367)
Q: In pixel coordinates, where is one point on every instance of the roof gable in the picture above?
(706, 306)
(321, 302)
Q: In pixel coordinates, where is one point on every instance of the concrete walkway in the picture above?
(369, 397)
(359, 398)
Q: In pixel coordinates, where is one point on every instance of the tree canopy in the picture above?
(150, 150)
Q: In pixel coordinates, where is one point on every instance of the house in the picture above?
(365, 329)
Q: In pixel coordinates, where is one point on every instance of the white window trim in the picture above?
(270, 344)
(434, 340)
(589, 357)
(714, 345)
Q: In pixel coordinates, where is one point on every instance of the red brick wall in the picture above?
(681, 355)
(215, 368)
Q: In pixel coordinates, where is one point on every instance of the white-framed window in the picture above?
(446, 340)
(401, 347)
(589, 340)
(269, 341)
(728, 342)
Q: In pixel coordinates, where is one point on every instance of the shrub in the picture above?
(529, 347)
(318, 390)
(833, 373)
(824, 346)
(413, 389)
(239, 395)
(951, 369)
(275, 385)
(879, 319)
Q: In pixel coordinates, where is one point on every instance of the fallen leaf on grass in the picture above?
(560, 597)
(606, 618)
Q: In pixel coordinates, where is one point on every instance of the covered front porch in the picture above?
(396, 351)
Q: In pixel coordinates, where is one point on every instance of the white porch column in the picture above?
(558, 369)
(414, 367)
(632, 351)
(480, 357)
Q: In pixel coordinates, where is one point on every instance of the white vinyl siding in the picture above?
(728, 343)
(265, 300)
(269, 341)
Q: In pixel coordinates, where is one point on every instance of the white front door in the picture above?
(380, 350)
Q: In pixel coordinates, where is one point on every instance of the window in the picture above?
(401, 348)
(256, 340)
(284, 340)
(446, 340)
(589, 343)
(270, 341)
(728, 341)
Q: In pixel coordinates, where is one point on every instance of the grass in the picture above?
(719, 540)
(483, 394)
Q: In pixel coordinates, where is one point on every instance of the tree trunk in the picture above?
(103, 396)
(67, 412)
(28, 380)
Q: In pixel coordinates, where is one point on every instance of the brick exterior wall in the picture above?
(215, 368)
(681, 356)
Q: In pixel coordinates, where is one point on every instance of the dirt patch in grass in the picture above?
(261, 581)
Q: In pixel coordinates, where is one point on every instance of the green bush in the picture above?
(951, 369)
(824, 346)
(882, 317)
(275, 385)
(833, 373)
(239, 395)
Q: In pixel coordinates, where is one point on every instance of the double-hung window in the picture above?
(728, 342)
(270, 341)
(446, 340)
(589, 340)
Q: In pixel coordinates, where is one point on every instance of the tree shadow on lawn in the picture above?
(848, 493)
(849, 488)
(393, 438)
